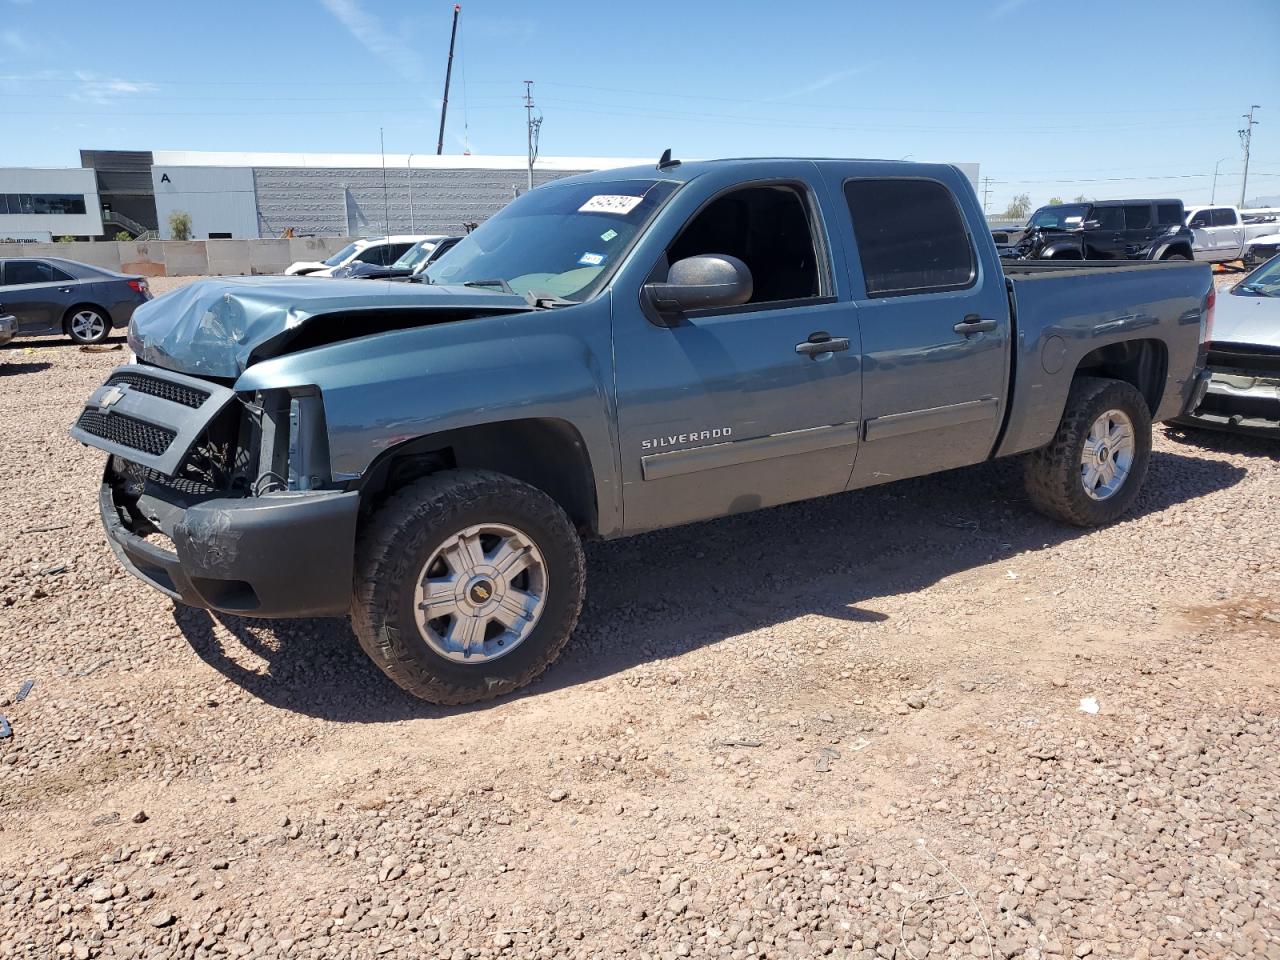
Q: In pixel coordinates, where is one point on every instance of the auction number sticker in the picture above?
(610, 203)
(591, 259)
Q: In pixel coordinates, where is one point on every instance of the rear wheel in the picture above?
(87, 325)
(1177, 256)
(468, 585)
(1092, 470)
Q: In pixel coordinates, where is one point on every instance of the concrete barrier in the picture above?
(186, 258)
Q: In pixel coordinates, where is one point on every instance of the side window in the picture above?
(1200, 220)
(1137, 216)
(1169, 214)
(768, 229)
(59, 276)
(27, 271)
(1224, 217)
(395, 251)
(911, 237)
(1109, 218)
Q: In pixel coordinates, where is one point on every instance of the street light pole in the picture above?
(411, 224)
(1213, 195)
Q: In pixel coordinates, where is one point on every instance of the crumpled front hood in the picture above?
(211, 327)
(1247, 320)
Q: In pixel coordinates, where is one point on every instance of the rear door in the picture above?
(1139, 228)
(37, 294)
(1105, 238)
(934, 316)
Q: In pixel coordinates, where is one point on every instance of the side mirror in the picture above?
(699, 283)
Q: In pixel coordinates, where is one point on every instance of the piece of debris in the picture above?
(24, 690)
(140, 817)
(59, 526)
(93, 668)
(6, 729)
(1089, 704)
(101, 348)
(105, 820)
(825, 756)
(735, 742)
(60, 568)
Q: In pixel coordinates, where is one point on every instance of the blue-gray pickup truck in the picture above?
(610, 354)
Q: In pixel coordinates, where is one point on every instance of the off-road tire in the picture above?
(1052, 473)
(1177, 256)
(393, 547)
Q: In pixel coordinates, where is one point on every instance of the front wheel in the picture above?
(1177, 256)
(468, 585)
(1091, 471)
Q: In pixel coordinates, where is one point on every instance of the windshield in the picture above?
(1263, 282)
(1065, 217)
(416, 254)
(341, 256)
(558, 241)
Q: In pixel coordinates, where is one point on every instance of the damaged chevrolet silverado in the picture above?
(615, 353)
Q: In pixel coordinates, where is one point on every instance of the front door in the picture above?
(733, 409)
(934, 317)
(36, 293)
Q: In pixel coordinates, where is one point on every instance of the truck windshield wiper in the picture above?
(506, 287)
(544, 300)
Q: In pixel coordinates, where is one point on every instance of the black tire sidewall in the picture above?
(1125, 398)
(416, 535)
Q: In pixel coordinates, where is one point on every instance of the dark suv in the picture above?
(1105, 230)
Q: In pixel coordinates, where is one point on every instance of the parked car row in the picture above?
(369, 251)
(1141, 230)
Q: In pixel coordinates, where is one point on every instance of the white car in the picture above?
(1223, 234)
(376, 250)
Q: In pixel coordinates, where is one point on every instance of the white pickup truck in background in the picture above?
(1221, 234)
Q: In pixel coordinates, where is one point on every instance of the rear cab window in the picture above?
(911, 236)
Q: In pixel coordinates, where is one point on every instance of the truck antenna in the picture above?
(665, 162)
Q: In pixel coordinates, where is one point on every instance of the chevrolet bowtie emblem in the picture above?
(112, 396)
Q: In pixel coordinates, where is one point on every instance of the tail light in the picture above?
(140, 286)
(1206, 329)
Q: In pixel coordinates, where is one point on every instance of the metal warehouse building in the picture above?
(252, 195)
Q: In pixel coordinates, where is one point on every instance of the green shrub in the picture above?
(67, 239)
(123, 236)
(180, 225)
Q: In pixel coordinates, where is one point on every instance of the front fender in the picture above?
(382, 390)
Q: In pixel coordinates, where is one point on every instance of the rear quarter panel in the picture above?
(1063, 316)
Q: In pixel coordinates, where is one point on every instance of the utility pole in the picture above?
(533, 127)
(1246, 140)
(1213, 194)
(448, 73)
(986, 191)
(386, 201)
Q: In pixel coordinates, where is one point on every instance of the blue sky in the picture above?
(1106, 99)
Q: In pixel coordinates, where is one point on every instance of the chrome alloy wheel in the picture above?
(88, 325)
(1108, 453)
(481, 593)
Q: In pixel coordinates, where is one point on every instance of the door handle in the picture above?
(974, 324)
(822, 342)
(64, 289)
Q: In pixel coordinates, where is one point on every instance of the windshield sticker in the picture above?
(610, 203)
(608, 235)
(591, 259)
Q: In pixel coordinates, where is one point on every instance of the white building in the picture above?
(43, 204)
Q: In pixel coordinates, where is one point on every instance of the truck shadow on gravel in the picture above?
(1222, 441)
(663, 594)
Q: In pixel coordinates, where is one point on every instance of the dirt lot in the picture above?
(851, 727)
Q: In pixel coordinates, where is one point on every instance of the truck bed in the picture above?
(1094, 314)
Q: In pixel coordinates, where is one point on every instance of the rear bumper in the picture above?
(8, 328)
(279, 555)
(1240, 403)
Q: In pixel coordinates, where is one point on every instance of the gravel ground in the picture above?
(851, 728)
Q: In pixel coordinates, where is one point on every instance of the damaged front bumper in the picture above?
(286, 554)
(222, 500)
